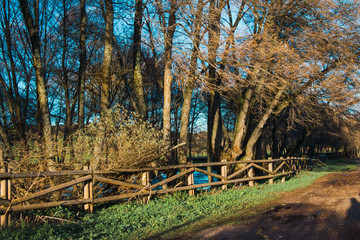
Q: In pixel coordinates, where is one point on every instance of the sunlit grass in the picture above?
(337, 165)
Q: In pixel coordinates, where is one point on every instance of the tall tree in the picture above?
(83, 64)
(105, 81)
(32, 25)
(190, 81)
(214, 122)
(138, 79)
(168, 29)
(10, 88)
(288, 61)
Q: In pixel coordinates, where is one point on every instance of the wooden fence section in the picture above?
(153, 181)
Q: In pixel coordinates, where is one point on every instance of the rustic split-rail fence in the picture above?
(97, 186)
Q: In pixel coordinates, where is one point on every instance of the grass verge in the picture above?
(161, 216)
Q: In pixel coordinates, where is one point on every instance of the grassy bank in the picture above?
(164, 214)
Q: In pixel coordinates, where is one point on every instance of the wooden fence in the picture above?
(178, 178)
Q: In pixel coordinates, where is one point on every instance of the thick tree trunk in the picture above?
(138, 79)
(214, 111)
(168, 40)
(240, 127)
(185, 122)
(33, 29)
(259, 127)
(104, 101)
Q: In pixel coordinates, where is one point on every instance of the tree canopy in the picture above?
(262, 78)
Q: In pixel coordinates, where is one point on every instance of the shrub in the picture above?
(128, 142)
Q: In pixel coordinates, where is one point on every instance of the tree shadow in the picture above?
(173, 229)
(351, 229)
(286, 221)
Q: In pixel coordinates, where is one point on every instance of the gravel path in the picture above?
(329, 209)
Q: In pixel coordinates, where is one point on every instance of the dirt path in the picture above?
(328, 209)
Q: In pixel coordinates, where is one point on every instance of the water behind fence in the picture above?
(88, 187)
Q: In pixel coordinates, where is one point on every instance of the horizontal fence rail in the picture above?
(99, 186)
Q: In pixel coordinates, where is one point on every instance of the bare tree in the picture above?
(190, 81)
(214, 112)
(168, 26)
(286, 63)
(32, 25)
(104, 102)
(83, 64)
(138, 79)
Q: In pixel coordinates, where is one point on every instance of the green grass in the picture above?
(167, 213)
(337, 166)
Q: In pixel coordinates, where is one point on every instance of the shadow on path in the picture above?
(351, 229)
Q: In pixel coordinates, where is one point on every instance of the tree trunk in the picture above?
(33, 29)
(104, 101)
(185, 111)
(240, 127)
(138, 79)
(68, 117)
(83, 65)
(259, 127)
(168, 40)
(214, 111)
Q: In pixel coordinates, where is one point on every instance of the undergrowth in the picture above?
(164, 214)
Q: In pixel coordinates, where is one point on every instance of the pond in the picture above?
(199, 178)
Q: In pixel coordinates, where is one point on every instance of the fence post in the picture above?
(5, 195)
(224, 174)
(191, 183)
(251, 175)
(88, 192)
(293, 162)
(283, 170)
(297, 165)
(289, 161)
(145, 180)
(307, 164)
(208, 168)
(91, 182)
(271, 169)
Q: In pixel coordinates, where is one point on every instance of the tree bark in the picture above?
(104, 101)
(249, 153)
(240, 127)
(33, 30)
(185, 111)
(68, 117)
(83, 65)
(214, 111)
(168, 33)
(138, 79)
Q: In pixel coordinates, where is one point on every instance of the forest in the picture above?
(131, 83)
